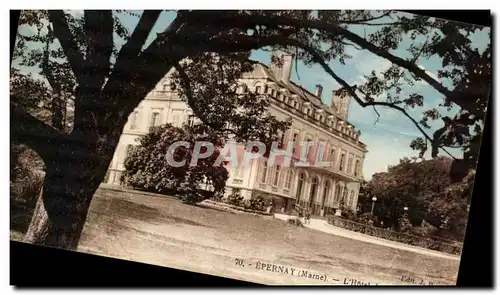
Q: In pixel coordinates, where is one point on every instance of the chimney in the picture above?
(284, 71)
(334, 101)
(340, 104)
(287, 68)
(319, 90)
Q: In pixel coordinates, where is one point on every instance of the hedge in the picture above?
(434, 243)
(230, 208)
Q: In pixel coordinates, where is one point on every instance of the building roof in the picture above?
(262, 70)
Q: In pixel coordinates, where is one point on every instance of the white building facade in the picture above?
(323, 189)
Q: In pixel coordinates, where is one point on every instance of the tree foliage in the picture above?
(209, 84)
(428, 191)
(147, 168)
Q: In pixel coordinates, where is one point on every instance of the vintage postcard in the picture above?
(276, 147)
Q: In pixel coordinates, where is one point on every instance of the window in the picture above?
(314, 187)
(273, 93)
(276, 175)
(332, 156)
(300, 186)
(349, 165)
(351, 199)
(282, 140)
(257, 89)
(264, 173)
(165, 87)
(321, 150)
(341, 164)
(155, 119)
(326, 192)
(266, 89)
(133, 120)
(356, 168)
(338, 190)
(310, 148)
(288, 178)
(295, 139)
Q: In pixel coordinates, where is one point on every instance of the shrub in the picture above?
(257, 204)
(230, 208)
(147, 168)
(190, 193)
(234, 199)
(26, 180)
(26, 176)
(247, 204)
(433, 243)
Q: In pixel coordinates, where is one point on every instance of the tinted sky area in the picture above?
(388, 140)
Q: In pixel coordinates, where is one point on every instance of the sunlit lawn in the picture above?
(163, 231)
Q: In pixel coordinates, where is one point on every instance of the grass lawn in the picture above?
(163, 231)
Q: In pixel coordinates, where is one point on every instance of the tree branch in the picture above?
(378, 115)
(68, 44)
(45, 65)
(392, 58)
(32, 132)
(191, 101)
(143, 70)
(98, 30)
(277, 21)
(132, 48)
(350, 89)
(353, 45)
(362, 21)
(245, 42)
(377, 24)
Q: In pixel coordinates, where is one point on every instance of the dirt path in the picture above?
(322, 225)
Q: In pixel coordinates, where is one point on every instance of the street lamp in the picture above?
(406, 209)
(374, 199)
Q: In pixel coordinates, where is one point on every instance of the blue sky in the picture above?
(388, 140)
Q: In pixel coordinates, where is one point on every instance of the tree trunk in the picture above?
(70, 183)
(60, 214)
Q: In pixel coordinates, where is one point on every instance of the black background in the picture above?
(34, 266)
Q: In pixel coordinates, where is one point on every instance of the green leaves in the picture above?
(414, 100)
(425, 187)
(147, 168)
(209, 84)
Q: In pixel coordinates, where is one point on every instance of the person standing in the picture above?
(308, 216)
